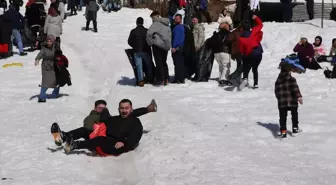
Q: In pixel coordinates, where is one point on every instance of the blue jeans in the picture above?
(17, 36)
(139, 58)
(43, 93)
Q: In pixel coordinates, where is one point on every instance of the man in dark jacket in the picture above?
(123, 133)
(99, 113)
(17, 23)
(178, 49)
(142, 52)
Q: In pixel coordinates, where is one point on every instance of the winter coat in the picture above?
(224, 19)
(48, 73)
(287, 90)
(319, 50)
(127, 130)
(219, 42)
(5, 31)
(249, 41)
(53, 26)
(91, 10)
(159, 34)
(15, 18)
(199, 35)
(233, 39)
(304, 51)
(33, 14)
(91, 119)
(178, 36)
(181, 12)
(137, 39)
(203, 4)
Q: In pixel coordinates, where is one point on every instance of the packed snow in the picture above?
(201, 134)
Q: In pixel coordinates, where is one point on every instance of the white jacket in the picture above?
(53, 26)
(254, 4)
(181, 12)
(226, 19)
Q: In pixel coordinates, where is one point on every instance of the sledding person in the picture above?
(224, 17)
(53, 26)
(220, 49)
(91, 15)
(177, 50)
(47, 54)
(123, 133)
(142, 52)
(288, 95)
(17, 23)
(59, 6)
(251, 50)
(306, 53)
(159, 38)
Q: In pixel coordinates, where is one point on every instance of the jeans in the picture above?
(43, 93)
(139, 58)
(17, 36)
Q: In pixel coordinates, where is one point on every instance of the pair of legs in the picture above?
(283, 120)
(94, 25)
(43, 93)
(160, 57)
(17, 36)
(179, 69)
(141, 58)
(251, 62)
(224, 63)
(205, 13)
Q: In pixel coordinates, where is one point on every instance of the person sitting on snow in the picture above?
(123, 132)
(318, 48)
(306, 53)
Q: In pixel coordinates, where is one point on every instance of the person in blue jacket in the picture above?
(177, 49)
(17, 22)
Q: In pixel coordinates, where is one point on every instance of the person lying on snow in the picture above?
(122, 134)
(306, 53)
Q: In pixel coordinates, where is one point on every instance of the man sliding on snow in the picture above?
(122, 134)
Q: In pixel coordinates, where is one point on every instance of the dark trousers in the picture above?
(94, 24)
(160, 57)
(73, 10)
(283, 117)
(178, 58)
(79, 133)
(34, 31)
(251, 62)
(310, 9)
(205, 13)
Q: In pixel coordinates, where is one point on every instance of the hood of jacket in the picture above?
(164, 21)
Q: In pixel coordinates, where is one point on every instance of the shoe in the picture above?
(23, 54)
(152, 107)
(243, 84)
(228, 83)
(41, 100)
(283, 134)
(58, 135)
(141, 83)
(95, 31)
(166, 82)
(296, 130)
(70, 145)
(255, 86)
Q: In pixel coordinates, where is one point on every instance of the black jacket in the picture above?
(127, 130)
(16, 2)
(219, 42)
(5, 31)
(15, 18)
(34, 15)
(137, 39)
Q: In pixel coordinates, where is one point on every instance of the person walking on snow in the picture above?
(91, 15)
(17, 22)
(47, 54)
(288, 95)
(251, 50)
(220, 49)
(177, 50)
(159, 38)
(142, 51)
(53, 26)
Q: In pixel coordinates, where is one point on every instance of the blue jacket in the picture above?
(178, 36)
(15, 19)
(256, 51)
(203, 4)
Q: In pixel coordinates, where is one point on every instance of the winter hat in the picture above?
(51, 37)
(98, 102)
(140, 21)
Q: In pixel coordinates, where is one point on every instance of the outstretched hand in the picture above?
(119, 145)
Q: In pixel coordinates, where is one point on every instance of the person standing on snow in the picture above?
(221, 51)
(180, 11)
(288, 95)
(198, 33)
(17, 22)
(177, 50)
(251, 50)
(53, 26)
(91, 15)
(47, 54)
(142, 52)
(159, 38)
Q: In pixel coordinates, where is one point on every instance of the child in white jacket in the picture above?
(224, 17)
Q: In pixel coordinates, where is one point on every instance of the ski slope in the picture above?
(201, 135)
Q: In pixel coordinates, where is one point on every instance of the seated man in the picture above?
(100, 112)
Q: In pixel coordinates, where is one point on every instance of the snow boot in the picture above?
(243, 84)
(41, 100)
(296, 130)
(58, 135)
(70, 145)
(152, 107)
(283, 134)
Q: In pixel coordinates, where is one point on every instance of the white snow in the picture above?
(201, 135)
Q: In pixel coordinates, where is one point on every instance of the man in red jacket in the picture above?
(251, 50)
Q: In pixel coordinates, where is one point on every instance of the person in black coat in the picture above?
(142, 52)
(35, 16)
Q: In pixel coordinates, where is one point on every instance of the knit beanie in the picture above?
(140, 21)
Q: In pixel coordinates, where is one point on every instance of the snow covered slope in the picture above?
(202, 134)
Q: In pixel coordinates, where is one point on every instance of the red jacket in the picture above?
(247, 44)
(182, 3)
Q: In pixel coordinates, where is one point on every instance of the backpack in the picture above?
(330, 74)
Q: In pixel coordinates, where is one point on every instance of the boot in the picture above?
(152, 107)
(70, 145)
(141, 83)
(58, 135)
(95, 26)
(87, 25)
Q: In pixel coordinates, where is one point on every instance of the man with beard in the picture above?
(177, 49)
